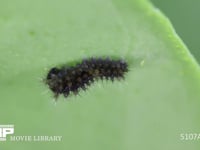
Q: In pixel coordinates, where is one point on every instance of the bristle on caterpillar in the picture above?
(70, 79)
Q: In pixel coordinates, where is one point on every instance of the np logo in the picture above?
(5, 130)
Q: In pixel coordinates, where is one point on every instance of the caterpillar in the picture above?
(70, 79)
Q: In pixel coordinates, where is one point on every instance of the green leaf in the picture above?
(156, 103)
(185, 22)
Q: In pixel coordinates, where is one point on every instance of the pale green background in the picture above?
(158, 100)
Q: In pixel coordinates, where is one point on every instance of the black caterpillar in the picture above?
(70, 79)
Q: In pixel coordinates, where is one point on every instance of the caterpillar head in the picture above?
(54, 81)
